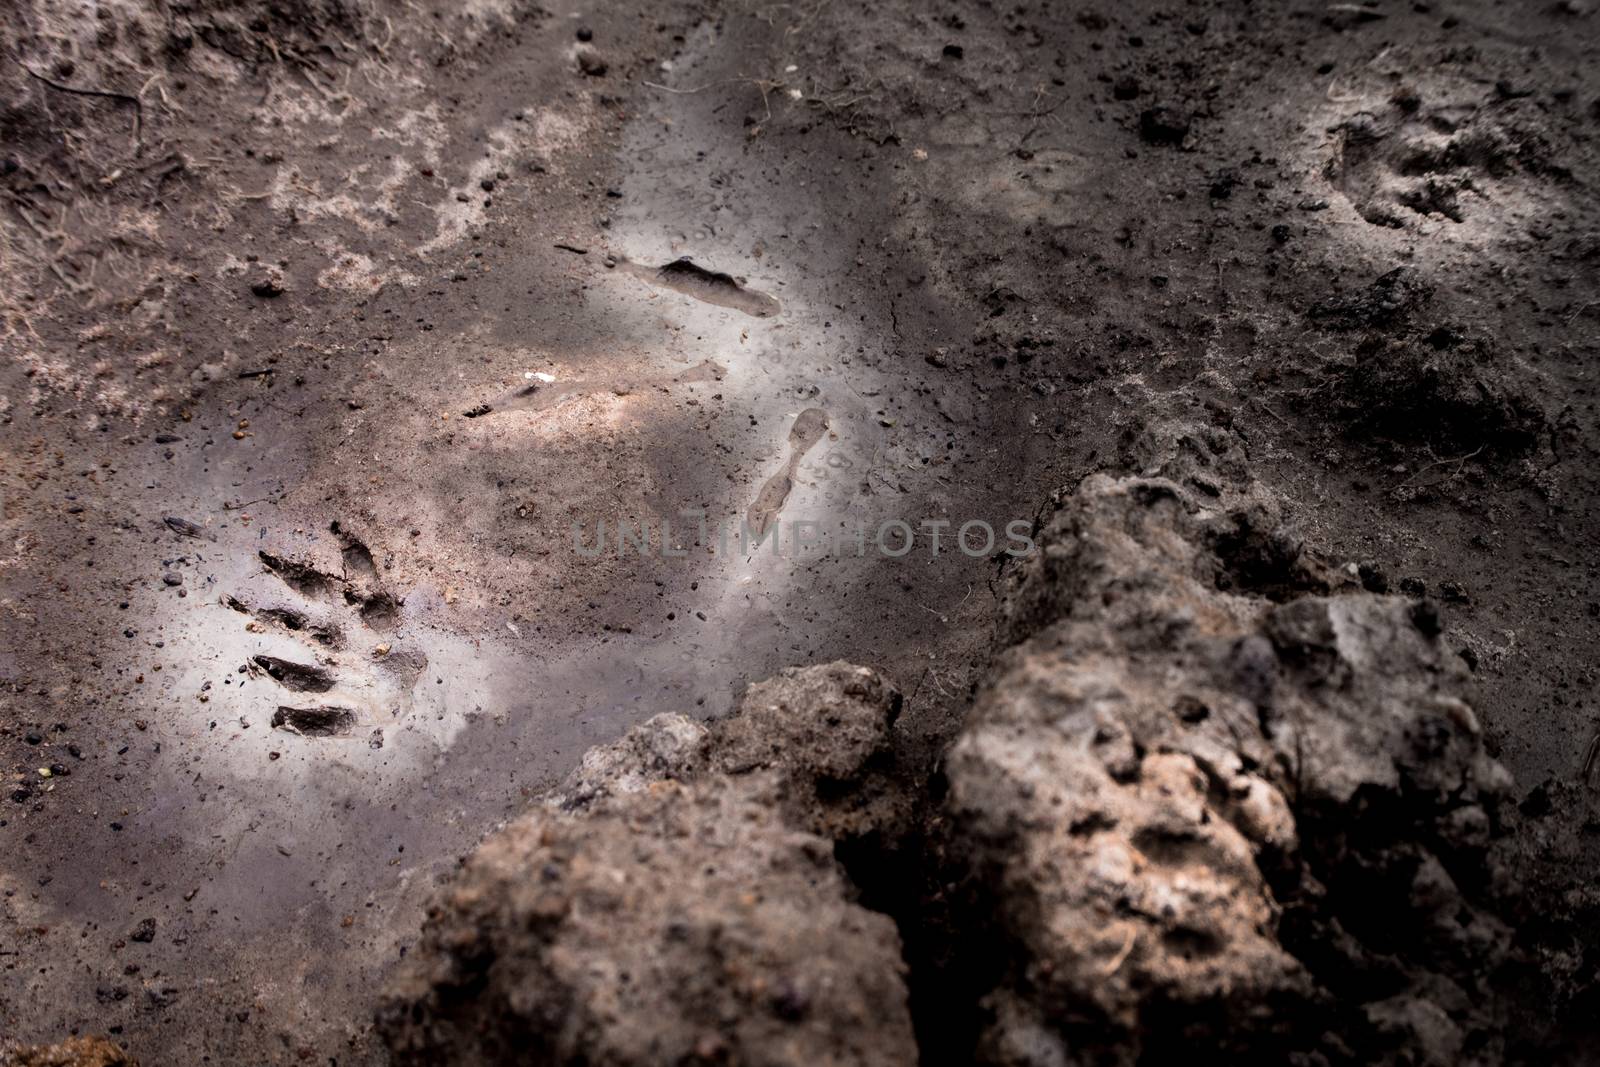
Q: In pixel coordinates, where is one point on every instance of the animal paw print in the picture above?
(1408, 162)
(345, 676)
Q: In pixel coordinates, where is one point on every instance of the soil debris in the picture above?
(185, 528)
(1392, 297)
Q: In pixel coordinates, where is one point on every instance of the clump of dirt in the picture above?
(677, 900)
(1392, 297)
(1409, 379)
(1194, 809)
(1212, 821)
(74, 1052)
(1440, 389)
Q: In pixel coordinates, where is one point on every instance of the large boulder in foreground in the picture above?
(1215, 802)
(1221, 802)
(676, 902)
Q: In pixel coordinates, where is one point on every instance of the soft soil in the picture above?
(291, 606)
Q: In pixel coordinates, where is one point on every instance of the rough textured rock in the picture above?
(826, 728)
(75, 1052)
(673, 902)
(1211, 812)
(1215, 800)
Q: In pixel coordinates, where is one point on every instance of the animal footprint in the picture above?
(1408, 162)
(339, 621)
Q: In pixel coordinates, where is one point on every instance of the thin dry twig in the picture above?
(1457, 461)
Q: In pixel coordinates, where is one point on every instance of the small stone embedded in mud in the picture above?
(145, 932)
(592, 63)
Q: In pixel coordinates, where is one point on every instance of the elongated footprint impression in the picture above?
(808, 428)
(686, 276)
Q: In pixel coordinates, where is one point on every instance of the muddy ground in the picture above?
(325, 321)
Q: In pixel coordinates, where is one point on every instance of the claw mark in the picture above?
(314, 722)
(360, 585)
(301, 677)
(808, 428)
(535, 396)
(291, 620)
(685, 276)
(301, 577)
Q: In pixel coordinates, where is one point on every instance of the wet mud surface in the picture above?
(332, 357)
